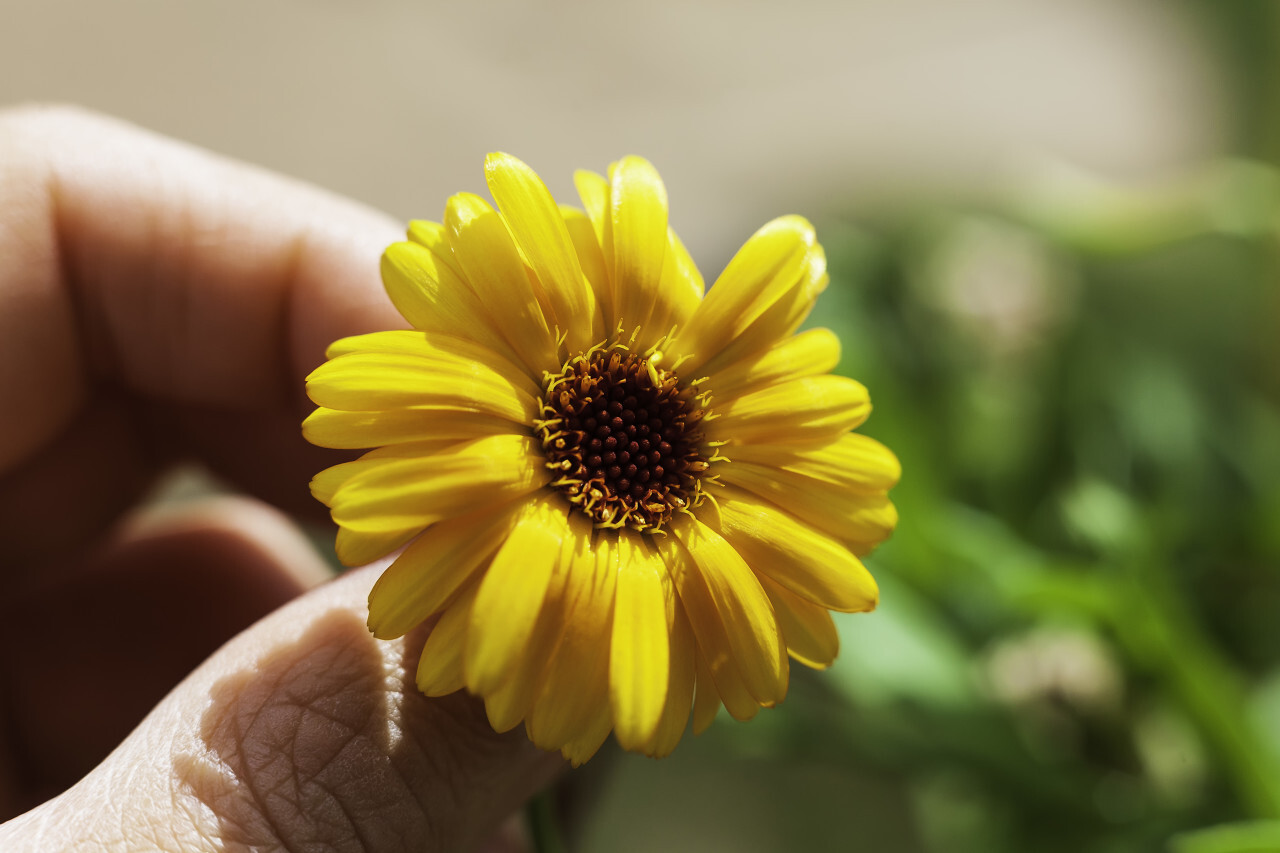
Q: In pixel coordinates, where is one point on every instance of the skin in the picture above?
(159, 304)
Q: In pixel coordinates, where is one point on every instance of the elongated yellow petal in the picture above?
(440, 665)
(435, 297)
(744, 610)
(370, 381)
(807, 409)
(706, 699)
(714, 651)
(780, 317)
(810, 564)
(358, 549)
(354, 430)
(429, 573)
(576, 684)
(678, 294)
(771, 268)
(325, 485)
(675, 713)
(511, 594)
(640, 659)
(445, 351)
(434, 237)
(401, 493)
(509, 704)
(682, 274)
(489, 257)
(837, 511)
(594, 191)
(809, 353)
(539, 230)
(515, 699)
(807, 628)
(852, 461)
(583, 234)
(590, 738)
(638, 209)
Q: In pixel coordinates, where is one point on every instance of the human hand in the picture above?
(156, 304)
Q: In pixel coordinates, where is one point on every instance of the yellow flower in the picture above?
(621, 499)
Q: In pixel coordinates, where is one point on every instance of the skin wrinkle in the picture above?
(327, 760)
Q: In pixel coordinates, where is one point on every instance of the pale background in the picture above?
(749, 109)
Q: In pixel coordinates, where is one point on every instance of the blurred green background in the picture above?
(1078, 646)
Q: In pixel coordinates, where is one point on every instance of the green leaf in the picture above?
(1261, 836)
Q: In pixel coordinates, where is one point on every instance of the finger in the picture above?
(303, 732)
(171, 283)
(84, 658)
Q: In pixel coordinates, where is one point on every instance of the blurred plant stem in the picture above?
(1156, 626)
(544, 829)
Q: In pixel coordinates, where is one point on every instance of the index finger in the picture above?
(155, 301)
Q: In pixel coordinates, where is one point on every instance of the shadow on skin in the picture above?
(327, 744)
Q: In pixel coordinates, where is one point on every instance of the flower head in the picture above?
(623, 500)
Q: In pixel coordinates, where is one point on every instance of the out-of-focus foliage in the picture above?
(1078, 647)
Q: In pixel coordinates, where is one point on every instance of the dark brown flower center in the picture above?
(623, 439)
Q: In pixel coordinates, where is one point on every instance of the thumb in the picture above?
(302, 732)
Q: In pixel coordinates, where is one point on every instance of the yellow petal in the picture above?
(779, 318)
(713, 649)
(355, 548)
(539, 230)
(678, 294)
(807, 628)
(675, 713)
(576, 684)
(435, 297)
(810, 564)
(706, 699)
(807, 409)
(682, 274)
(594, 191)
(369, 381)
(583, 234)
(638, 208)
(401, 493)
(444, 349)
(440, 665)
(353, 430)
(640, 659)
(769, 277)
(429, 573)
(434, 237)
(358, 549)
(590, 738)
(744, 610)
(514, 700)
(489, 257)
(325, 485)
(511, 594)
(835, 510)
(852, 461)
(809, 353)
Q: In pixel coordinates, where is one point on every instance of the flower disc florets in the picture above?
(623, 437)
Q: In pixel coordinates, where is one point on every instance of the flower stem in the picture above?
(543, 827)
(1203, 681)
